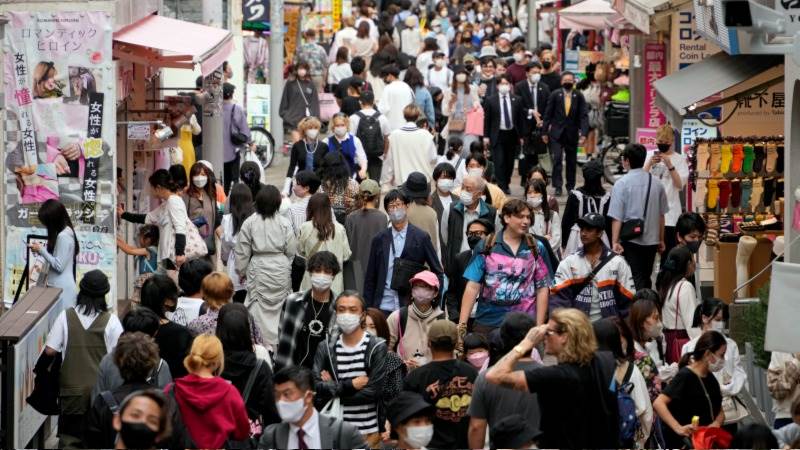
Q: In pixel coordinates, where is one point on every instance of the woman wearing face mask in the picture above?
(465, 47)
(201, 203)
(408, 326)
(411, 419)
(241, 207)
(732, 378)
(694, 392)
(545, 222)
(644, 321)
(160, 295)
(680, 301)
(306, 153)
(300, 99)
(350, 146)
(476, 349)
(342, 189)
(459, 100)
(322, 232)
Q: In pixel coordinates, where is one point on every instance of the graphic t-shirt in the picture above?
(448, 386)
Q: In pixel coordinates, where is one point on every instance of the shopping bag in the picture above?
(475, 121)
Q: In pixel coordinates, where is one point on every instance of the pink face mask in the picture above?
(479, 360)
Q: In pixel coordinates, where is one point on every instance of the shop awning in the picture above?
(586, 15)
(641, 13)
(163, 42)
(678, 94)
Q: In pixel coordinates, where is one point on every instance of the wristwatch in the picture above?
(519, 350)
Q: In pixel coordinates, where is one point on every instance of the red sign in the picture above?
(655, 67)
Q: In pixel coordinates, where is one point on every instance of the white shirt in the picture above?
(342, 37)
(382, 120)
(678, 310)
(187, 309)
(543, 228)
(338, 72)
(663, 174)
(411, 149)
(373, 28)
(441, 78)
(506, 99)
(424, 61)
(57, 338)
(228, 241)
(396, 96)
(310, 428)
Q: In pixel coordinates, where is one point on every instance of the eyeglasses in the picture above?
(476, 234)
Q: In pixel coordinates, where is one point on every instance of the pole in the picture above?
(533, 26)
(212, 110)
(276, 71)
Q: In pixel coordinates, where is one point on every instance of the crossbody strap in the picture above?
(596, 270)
(251, 380)
(647, 197)
(300, 88)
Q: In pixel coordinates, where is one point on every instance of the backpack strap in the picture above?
(403, 320)
(112, 403)
(627, 378)
(360, 115)
(251, 380)
(376, 114)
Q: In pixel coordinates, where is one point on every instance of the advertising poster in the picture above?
(761, 112)
(258, 98)
(655, 68)
(60, 133)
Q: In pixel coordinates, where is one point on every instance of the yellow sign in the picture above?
(337, 15)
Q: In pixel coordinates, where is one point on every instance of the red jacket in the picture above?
(212, 410)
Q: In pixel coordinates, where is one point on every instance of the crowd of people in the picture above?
(393, 292)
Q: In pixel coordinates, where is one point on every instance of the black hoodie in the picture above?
(238, 365)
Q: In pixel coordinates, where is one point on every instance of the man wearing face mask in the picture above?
(302, 426)
(550, 75)
(477, 230)
(408, 326)
(519, 67)
(690, 230)
(350, 365)
(143, 419)
(565, 126)
(469, 208)
(534, 94)
(400, 241)
(447, 383)
(410, 416)
(308, 317)
(671, 170)
(503, 127)
(439, 75)
(487, 84)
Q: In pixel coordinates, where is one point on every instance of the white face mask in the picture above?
(462, 77)
(420, 436)
(535, 77)
(321, 281)
(302, 73)
(340, 131)
(718, 326)
(717, 365)
(535, 201)
(291, 412)
(445, 184)
(423, 295)
(397, 215)
(312, 133)
(518, 57)
(475, 171)
(655, 331)
(439, 63)
(200, 181)
(466, 197)
(348, 322)
(504, 88)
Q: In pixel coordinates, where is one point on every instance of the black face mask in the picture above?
(694, 246)
(664, 148)
(473, 241)
(567, 86)
(470, 67)
(546, 64)
(137, 435)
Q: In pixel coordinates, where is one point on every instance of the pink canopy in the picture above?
(586, 15)
(163, 42)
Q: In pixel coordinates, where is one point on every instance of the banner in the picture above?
(60, 134)
(782, 332)
(646, 137)
(761, 112)
(655, 67)
(687, 46)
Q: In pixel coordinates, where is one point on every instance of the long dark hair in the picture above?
(155, 291)
(318, 212)
(334, 172)
(210, 188)
(709, 308)
(241, 205)
(233, 328)
(539, 187)
(54, 216)
(710, 341)
(250, 174)
(414, 78)
(162, 179)
(673, 270)
(609, 333)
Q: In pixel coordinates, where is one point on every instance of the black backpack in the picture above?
(370, 133)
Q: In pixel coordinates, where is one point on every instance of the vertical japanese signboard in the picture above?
(60, 136)
(655, 61)
(688, 47)
(255, 14)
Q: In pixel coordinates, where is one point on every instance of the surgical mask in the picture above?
(475, 171)
(718, 326)
(489, 30)
(535, 201)
(443, 13)
(463, 18)
(655, 330)
(546, 64)
(445, 184)
(462, 77)
(470, 68)
(717, 365)
(478, 359)
(397, 215)
(423, 294)
(504, 88)
(137, 435)
(302, 73)
(693, 246)
(466, 197)
(480, 19)
(348, 322)
(298, 190)
(567, 86)
(340, 131)
(473, 241)
(518, 57)
(200, 181)
(312, 133)
(535, 77)
(439, 63)
(293, 411)
(419, 436)
(321, 281)
(437, 29)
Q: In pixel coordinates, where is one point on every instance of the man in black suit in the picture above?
(534, 94)
(504, 125)
(566, 123)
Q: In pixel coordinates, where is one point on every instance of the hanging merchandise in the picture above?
(796, 219)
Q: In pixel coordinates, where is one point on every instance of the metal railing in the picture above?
(757, 385)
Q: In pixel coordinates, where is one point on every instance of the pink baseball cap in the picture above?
(427, 277)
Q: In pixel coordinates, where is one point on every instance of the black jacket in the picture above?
(493, 112)
(238, 365)
(99, 431)
(297, 156)
(563, 127)
(455, 228)
(455, 290)
(542, 95)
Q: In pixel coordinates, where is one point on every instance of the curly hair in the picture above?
(136, 356)
(308, 123)
(581, 343)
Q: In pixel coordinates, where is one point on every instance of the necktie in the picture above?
(506, 114)
(301, 443)
(567, 102)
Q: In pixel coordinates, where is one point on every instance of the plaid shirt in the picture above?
(293, 316)
(315, 56)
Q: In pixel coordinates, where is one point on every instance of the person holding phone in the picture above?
(61, 250)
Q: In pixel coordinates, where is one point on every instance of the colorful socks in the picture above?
(726, 156)
(749, 157)
(713, 194)
(702, 157)
(724, 193)
(761, 154)
(747, 189)
(736, 193)
(738, 158)
(758, 191)
(772, 157)
(769, 191)
(700, 195)
(714, 160)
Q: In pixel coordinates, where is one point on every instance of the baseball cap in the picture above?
(592, 220)
(427, 277)
(369, 186)
(443, 329)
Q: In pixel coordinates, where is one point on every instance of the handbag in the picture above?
(195, 245)
(333, 408)
(455, 125)
(237, 137)
(735, 409)
(633, 228)
(403, 271)
(474, 124)
(327, 106)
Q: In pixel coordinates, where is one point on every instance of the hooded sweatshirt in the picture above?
(414, 337)
(212, 410)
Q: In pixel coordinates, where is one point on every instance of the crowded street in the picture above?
(412, 224)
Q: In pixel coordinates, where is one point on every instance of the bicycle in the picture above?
(611, 158)
(265, 145)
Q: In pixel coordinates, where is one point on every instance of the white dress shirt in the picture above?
(311, 430)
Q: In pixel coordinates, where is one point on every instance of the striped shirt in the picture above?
(351, 363)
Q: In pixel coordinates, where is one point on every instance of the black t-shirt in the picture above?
(313, 331)
(448, 386)
(174, 342)
(552, 80)
(350, 105)
(688, 399)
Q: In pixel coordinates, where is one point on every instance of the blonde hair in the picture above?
(206, 353)
(217, 289)
(341, 116)
(665, 134)
(307, 123)
(581, 343)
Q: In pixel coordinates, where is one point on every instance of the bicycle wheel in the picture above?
(265, 145)
(612, 162)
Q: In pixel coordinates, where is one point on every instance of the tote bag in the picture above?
(475, 121)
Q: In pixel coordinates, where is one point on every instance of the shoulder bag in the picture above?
(633, 228)
(594, 272)
(403, 271)
(237, 137)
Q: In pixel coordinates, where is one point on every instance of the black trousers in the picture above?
(374, 167)
(231, 173)
(559, 151)
(504, 152)
(641, 259)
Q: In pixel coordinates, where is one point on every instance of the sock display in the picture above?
(749, 157)
(726, 157)
(758, 191)
(769, 191)
(702, 156)
(700, 196)
(779, 164)
(714, 159)
(738, 158)
(724, 193)
(772, 157)
(747, 189)
(761, 153)
(736, 193)
(713, 194)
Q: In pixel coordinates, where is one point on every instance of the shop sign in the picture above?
(337, 15)
(710, 23)
(646, 137)
(791, 11)
(139, 131)
(61, 98)
(255, 14)
(655, 67)
(760, 113)
(688, 47)
(258, 99)
(571, 58)
(693, 129)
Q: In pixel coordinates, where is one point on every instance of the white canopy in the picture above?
(586, 15)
